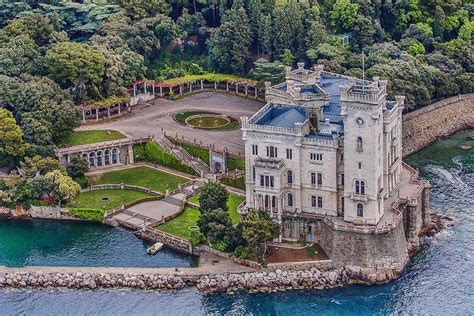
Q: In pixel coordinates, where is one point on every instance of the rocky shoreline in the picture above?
(259, 281)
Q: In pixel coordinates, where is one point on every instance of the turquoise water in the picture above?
(44, 242)
(439, 281)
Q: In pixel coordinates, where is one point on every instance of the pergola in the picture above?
(105, 108)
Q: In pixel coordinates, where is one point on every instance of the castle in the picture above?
(324, 159)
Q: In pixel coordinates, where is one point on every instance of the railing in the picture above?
(273, 163)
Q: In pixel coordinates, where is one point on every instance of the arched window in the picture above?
(290, 199)
(289, 176)
(253, 173)
(267, 202)
(357, 186)
(274, 202)
(114, 156)
(99, 158)
(362, 187)
(360, 210)
(107, 157)
(359, 143)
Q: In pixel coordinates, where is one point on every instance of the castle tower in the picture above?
(362, 104)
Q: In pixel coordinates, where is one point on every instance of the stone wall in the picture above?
(441, 119)
(169, 240)
(51, 212)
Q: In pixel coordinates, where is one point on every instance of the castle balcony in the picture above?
(269, 163)
(359, 197)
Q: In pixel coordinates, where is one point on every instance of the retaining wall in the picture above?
(169, 240)
(51, 212)
(425, 126)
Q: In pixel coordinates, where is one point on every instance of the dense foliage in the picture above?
(57, 55)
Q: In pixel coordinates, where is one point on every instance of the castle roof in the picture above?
(282, 116)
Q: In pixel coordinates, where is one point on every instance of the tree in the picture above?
(344, 14)
(38, 27)
(77, 167)
(38, 165)
(364, 32)
(76, 66)
(229, 44)
(258, 229)
(139, 9)
(215, 224)
(63, 187)
(287, 58)
(20, 55)
(213, 196)
(267, 71)
(11, 136)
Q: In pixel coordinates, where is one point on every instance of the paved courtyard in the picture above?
(148, 119)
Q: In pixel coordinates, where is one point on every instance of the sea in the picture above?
(438, 281)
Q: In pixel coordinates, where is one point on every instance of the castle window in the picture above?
(289, 176)
(253, 173)
(342, 179)
(320, 178)
(262, 181)
(274, 201)
(313, 201)
(359, 143)
(316, 157)
(360, 165)
(272, 152)
(255, 150)
(313, 178)
(289, 153)
(290, 199)
(360, 187)
(360, 210)
(320, 202)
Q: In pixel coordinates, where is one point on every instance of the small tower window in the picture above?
(359, 144)
(360, 210)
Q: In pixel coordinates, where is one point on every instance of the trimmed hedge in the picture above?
(92, 214)
(238, 183)
(235, 163)
(151, 152)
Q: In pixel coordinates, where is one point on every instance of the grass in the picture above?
(232, 204)
(141, 176)
(91, 137)
(238, 183)
(179, 226)
(93, 199)
(153, 153)
(235, 163)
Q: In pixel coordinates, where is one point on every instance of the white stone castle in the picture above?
(324, 145)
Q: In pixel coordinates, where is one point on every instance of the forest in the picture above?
(58, 54)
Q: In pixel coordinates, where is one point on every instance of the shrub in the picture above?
(88, 213)
(197, 238)
(238, 183)
(221, 246)
(235, 163)
(242, 252)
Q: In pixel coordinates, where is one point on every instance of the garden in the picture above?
(91, 137)
(151, 152)
(140, 176)
(207, 120)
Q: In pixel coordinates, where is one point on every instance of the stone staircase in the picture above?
(197, 164)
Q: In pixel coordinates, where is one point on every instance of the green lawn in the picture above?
(232, 204)
(141, 176)
(179, 226)
(93, 199)
(91, 137)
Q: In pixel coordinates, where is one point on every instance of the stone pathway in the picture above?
(151, 212)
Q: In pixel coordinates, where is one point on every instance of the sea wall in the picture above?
(68, 277)
(425, 126)
(51, 212)
(169, 240)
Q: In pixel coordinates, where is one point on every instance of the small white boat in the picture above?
(155, 248)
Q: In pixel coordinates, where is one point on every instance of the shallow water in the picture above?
(439, 280)
(44, 242)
